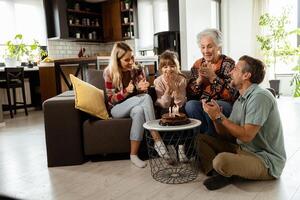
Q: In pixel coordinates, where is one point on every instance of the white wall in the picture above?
(236, 27)
(194, 17)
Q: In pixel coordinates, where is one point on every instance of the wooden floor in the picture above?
(24, 173)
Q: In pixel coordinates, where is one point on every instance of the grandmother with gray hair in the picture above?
(210, 80)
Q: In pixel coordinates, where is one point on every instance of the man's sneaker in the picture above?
(161, 149)
(181, 154)
(217, 182)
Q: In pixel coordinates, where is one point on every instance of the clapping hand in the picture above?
(171, 83)
(207, 71)
(143, 85)
(211, 108)
(130, 87)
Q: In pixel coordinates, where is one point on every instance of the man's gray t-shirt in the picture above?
(258, 107)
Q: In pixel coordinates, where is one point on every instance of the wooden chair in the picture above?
(14, 78)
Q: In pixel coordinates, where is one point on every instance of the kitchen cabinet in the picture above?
(111, 20)
(78, 20)
(84, 21)
(128, 19)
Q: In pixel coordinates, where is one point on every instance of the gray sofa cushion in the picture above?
(95, 77)
(106, 136)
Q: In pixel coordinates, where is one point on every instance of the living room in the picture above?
(25, 170)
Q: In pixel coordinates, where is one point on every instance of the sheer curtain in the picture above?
(259, 7)
(152, 18)
(24, 17)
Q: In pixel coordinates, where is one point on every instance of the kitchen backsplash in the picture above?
(65, 49)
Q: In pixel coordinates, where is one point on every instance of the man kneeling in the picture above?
(258, 153)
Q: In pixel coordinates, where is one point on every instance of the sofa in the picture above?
(73, 136)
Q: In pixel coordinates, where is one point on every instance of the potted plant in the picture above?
(127, 4)
(296, 81)
(34, 52)
(275, 43)
(16, 51)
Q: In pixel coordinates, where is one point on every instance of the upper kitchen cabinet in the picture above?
(128, 19)
(84, 20)
(79, 20)
(56, 19)
(111, 20)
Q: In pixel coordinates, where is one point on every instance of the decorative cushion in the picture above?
(88, 98)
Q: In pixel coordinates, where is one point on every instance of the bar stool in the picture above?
(14, 79)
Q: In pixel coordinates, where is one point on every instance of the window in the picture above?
(216, 14)
(275, 8)
(153, 18)
(24, 17)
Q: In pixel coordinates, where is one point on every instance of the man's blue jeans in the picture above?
(194, 110)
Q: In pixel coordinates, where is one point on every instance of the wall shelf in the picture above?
(84, 12)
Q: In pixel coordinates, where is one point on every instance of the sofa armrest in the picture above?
(63, 131)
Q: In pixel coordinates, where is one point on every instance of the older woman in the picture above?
(210, 80)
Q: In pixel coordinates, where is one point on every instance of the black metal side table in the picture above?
(179, 141)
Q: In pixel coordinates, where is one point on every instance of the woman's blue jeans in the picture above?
(194, 110)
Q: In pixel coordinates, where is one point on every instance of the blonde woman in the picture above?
(126, 89)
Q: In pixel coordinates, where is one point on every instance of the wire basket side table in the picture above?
(182, 164)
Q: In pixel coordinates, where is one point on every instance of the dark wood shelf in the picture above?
(84, 40)
(84, 12)
(84, 26)
(128, 24)
(127, 38)
(127, 10)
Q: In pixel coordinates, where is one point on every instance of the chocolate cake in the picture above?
(173, 120)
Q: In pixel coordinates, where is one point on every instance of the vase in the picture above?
(12, 62)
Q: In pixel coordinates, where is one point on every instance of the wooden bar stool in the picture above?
(14, 78)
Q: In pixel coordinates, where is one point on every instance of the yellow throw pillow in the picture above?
(88, 98)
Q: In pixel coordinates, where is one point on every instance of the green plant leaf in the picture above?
(17, 49)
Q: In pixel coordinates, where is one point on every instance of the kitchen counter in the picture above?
(54, 77)
(104, 60)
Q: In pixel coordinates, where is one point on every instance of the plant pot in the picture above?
(127, 6)
(125, 20)
(12, 62)
(275, 85)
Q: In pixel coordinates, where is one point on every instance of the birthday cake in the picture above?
(178, 119)
(174, 118)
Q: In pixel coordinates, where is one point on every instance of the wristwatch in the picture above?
(219, 118)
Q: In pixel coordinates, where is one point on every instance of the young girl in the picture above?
(170, 89)
(126, 89)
